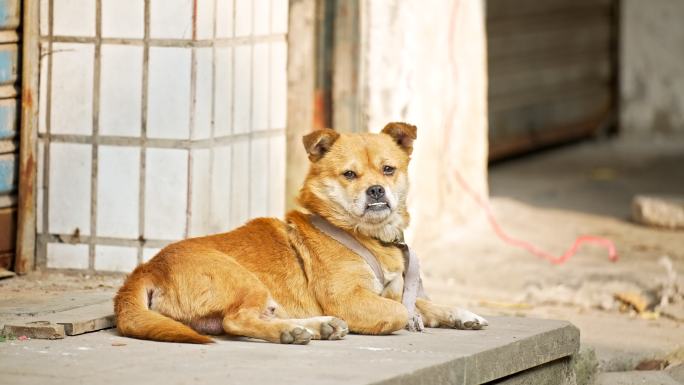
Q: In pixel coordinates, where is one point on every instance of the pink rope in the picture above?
(519, 243)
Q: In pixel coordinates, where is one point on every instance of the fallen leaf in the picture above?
(634, 300)
(652, 365)
(118, 344)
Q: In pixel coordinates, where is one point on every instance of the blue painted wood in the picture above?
(8, 173)
(9, 14)
(8, 119)
(9, 63)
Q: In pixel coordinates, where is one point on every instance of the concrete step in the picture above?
(511, 351)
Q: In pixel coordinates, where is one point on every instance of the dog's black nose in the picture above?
(376, 192)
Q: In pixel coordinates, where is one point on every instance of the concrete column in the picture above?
(425, 63)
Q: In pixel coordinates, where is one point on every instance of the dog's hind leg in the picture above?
(254, 318)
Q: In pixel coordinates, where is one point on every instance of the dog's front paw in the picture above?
(463, 319)
(415, 323)
(334, 329)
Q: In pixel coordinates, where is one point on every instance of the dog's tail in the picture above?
(135, 319)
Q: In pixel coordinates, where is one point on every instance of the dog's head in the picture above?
(360, 181)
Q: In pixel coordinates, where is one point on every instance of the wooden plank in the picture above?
(86, 319)
(507, 8)
(552, 76)
(565, 42)
(26, 221)
(8, 227)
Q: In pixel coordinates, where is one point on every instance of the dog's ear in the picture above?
(402, 133)
(319, 142)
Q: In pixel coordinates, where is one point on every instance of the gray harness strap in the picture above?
(351, 243)
(413, 285)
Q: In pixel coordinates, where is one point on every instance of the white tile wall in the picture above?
(74, 17)
(239, 195)
(166, 178)
(258, 178)
(123, 18)
(220, 190)
(276, 169)
(260, 99)
(118, 187)
(203, 91)
(40, 186)
(200, 204)
(44, 19)
(205, 19)
(69, 198)
(66, 256)
(120, 85)
(72, 88)
(224, 92)
(168, 114)
(148, 253)
(171, 19)
(279, 16)
(224, 18)
(243, 17)
(43, 97)
(262, 17)
(243, 88)
(115, 258)
(278, 94)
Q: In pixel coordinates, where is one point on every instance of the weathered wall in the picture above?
(652, 57)
(427, 65)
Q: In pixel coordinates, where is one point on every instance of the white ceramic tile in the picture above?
(278, 94)
(276, 176)
(44, 12)
(74, 17)
(258, 178)
(243, 17)
(66, 256)
(123, 18)
(260, 98)
(243, 89)
(223, 102)
(118, 185)
(239, 196)
(224, 18)
(220, 190)
(171, 19)
(168, 114)
(115, 258)
(149, 253)
(40, 192)
(279, 16)
(72, 89)
(166, 178)
(205, 19)
(202, 100)
(120, 86)
(43, 97)
(200, 202)
(262, 16)
(69, 200)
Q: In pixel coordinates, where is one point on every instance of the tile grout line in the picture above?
(268, 108)
(85, 240)
(178, 43)
(212, 113)
(143, 132)
(42, 249)
(231, 128)
(97, 63)
(251, 116)
(192, 122)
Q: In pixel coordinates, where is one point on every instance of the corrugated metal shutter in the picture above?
(10, 11)
(551, 71)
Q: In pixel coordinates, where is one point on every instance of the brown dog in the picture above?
(287, 281)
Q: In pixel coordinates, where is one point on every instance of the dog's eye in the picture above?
(388, 170)
(349, 174)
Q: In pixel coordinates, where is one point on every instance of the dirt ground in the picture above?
(548, 199)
